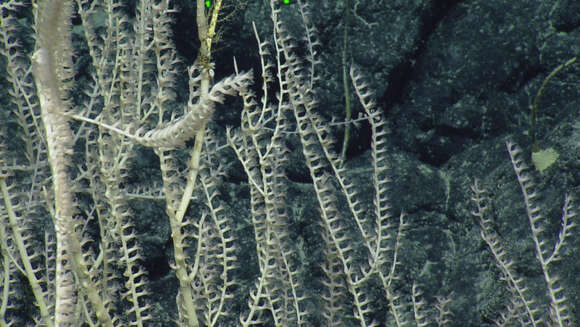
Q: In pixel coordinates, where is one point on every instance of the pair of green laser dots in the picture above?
(208, 2)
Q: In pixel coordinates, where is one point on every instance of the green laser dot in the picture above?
(208, 3)
(286, 2)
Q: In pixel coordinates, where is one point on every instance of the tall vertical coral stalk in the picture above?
(52, 67)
